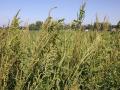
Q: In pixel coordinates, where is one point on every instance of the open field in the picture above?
(64, 60)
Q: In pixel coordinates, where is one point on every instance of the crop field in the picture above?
(60, 56)
(64, 60)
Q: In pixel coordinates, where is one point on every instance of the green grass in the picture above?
(64, 60)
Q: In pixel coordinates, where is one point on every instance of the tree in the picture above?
(32, 26)
(89, 27)
(118, 25)
(35, 26)
(38, 25)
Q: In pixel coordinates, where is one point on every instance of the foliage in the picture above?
(59, 59)
(118, 25)
(63, 60)
(80, 17)
(97, 24)
(52, 25)
(102, 26)
(15, 22)
(36, 26)
(105, 25)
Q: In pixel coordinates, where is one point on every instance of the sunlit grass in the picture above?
(62, 60)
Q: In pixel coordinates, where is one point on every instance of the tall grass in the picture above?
(64, 60)
(55, 59)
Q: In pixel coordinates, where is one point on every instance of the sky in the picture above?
(34, 10)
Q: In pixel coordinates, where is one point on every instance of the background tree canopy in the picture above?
(35, 26)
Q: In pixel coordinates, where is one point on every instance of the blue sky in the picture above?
(32, 10)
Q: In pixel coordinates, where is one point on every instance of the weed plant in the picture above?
(55, 59)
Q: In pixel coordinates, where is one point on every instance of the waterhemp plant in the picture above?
(80, 17)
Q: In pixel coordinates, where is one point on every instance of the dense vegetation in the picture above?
(57, 58)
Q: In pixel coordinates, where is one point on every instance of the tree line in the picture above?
(97, 25)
